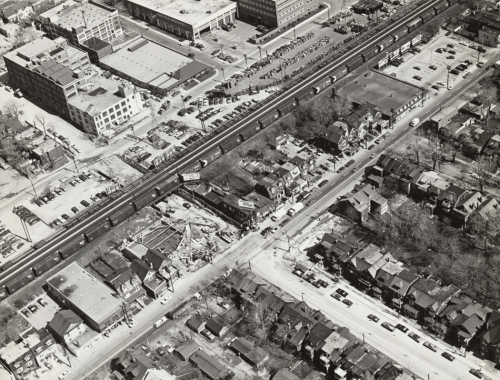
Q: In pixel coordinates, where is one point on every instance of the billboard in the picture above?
(405, 47)
(187, 177)
(416, 39)
(246, 204)
(394, 54)
(383, 62)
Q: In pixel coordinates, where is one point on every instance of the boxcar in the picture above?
(20, 281)
(231, 144)
(289, 106)
(354, 64)
(269, 119)
(400, 34)
(72, 247)
(322, 84)
(47, 263)
(142, 200)
(385, 43)
(169, 185)
(440, 7)
(210, 157)
(411, 26)
(249, 131)
(122, 214)
(97, 230)
(427, 16)
(372, 52)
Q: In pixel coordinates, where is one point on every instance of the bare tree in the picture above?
(434, 151)
(485, 228)
(341, 106)
(482, 171)
(40, 118)
(416, 147)
(19, 37)
(488, 97)
(451, 148)
(12, 107)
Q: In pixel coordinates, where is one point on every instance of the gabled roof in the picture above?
(157, 259)
(63, 320)
(186, 349)
(214, 326)
(285, 374)
(195, 322)
(209, 365)
(241, 345)
(140, 268)
(492, 336)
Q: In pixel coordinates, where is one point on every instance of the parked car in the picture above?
(402, 328)
(323, 183)
(85, 203)
(298, 272)
(430, 346)
(336, 296)
(432, 67)
(448, 356)
(414, 336)
(323, 283)
(33, 308)
(26, 313)
(373, 318)
(74, 209)
(165, 299)
(342, 292)
(388, 326)
(476, 372)
(65, 216)
(208, 334)
(347, 302)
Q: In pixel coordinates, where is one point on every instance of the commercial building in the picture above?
(483, 27)
(187, 18)
(154, 67)
(88, 297)
(81, 22)
(50, 70)
(106, 105)
(15, 11)
(393, 97)
(274, 13)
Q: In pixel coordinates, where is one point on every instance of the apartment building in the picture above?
(274, 13)
(81, 21)
(50, 70)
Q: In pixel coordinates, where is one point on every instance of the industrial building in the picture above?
(50, 70)
(83, 23)
(274, 13)
(154, 67)
(76, 289)
(187, 18)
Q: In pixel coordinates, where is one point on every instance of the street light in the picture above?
(246, 62)
(183, 105)
(260, 51)
(223, 75)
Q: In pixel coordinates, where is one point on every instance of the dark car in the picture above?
(388, 326)
(342, 292)
(26, 313)
(402, 328)
(347, 302)
(310, 277)
(454, 72)
(74, 209)
(85, 203)
(65, 216)
(476, 372)
(432, 67)
(322, 183)
(322, 283)
(187, 205)
(336, 296)
(415, 337)
(42, 302)
(481, 49)
(448, 356)
(317, 284)
(349, 163)
(38, 203)
(340, 169)
(187, 98)
(284, 222)
(373, 318)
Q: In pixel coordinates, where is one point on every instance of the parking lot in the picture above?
(432, 62)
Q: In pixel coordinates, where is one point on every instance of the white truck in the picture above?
(160, 322)
(278, 215)
(295, 208)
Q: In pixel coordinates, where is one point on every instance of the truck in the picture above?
(160, 322)
(278, 215)
(295, 208)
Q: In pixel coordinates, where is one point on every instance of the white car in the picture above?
(132, 322)
(164, 300)
(450, 87)
(373, 155)
(441, 83)
(414, 122)
(64, 374)
(224, 305)
(274, 229)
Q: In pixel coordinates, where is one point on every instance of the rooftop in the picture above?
(102, 95)
(70, 15)
(194, 11)
(26, 52)
(154, 64)
(80, 288)
(389, 92)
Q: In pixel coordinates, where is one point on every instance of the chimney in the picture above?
(84, 20)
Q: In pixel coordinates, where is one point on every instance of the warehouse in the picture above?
(155, 67)
(391, 95)
(187, 18)
(89, 298)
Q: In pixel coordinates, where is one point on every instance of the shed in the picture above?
(216, 328)
(196, 323)
(185, 350)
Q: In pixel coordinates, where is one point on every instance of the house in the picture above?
(209, 365)
(162, 264)
(271, 186)
(285, 374)
(196, 323)
(335, 250)
(395, 286)
(465, 206)
(333, 138)
(279, 141)
(155, 284)
(185, 350)
(49, 153)
(135, 364)
(403, 171)
(358, 205)
(427, 186)
(426, 298)
(488, 208)
(217, 328)
(10, 126)
(252, 354)
(490, 339)
(127, 284)
(69, 329)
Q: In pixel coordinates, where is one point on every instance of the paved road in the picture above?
(188, 159)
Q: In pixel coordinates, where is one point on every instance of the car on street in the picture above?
(402, 328)
(347, 302)
(476, 372)
(323, 183)
(388, 326)
(132, 322)
(373, 155)
(65, 216)
(164, 300)
(274, 230)
(455, 72)
(340, 169)
(417, 77)
(84, 203)
(74, 209)
(336, 296)
(452, 52)
(310, 277)
(436, 87)
(187, 205)
(466, 74)
(349, 163)
(316, 284)
(63, 375)
(283, 223)
(415, 337)
(448, 356)
(373, 318)
(322, 283)
(298, 272)
(432, 67)
(450, 87)
(342, 292)
(430, 346)
(416, 67)
(441, 83)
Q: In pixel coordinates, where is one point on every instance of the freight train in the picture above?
(144, 198)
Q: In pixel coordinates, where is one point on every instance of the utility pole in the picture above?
(260, 52)
(448, 77)
(183, 105)
(246, 62)
(294, 35)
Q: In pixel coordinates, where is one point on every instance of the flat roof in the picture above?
(71, 17)
(154, 64)
(382, 90)
(196, 11)
(86, 292)
(103, 93)
(31, 50)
